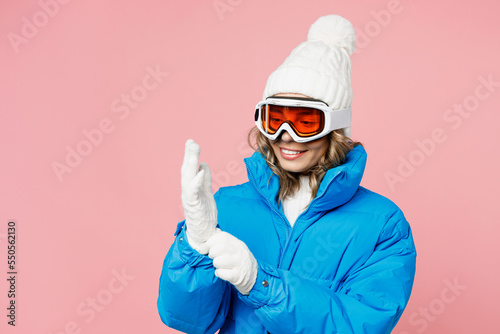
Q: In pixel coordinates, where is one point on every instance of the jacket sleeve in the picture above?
(191, 298)
(370, 300)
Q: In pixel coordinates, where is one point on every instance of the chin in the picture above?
(293, 167)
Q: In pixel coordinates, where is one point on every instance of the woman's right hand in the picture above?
(198, 201)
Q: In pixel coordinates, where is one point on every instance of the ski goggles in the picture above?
(304, 119)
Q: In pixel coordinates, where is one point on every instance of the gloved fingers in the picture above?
(219, 244)
(202, 248)
(191, 193)
(199, 245)
(207, 181)
(225, 274)
(217, 238)
(225, 261)
(189, 167)
(217, 250)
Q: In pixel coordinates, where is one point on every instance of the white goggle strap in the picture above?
(339, 119)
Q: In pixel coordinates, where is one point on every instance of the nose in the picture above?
(285, 136)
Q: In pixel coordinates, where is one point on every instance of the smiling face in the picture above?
(298, 157)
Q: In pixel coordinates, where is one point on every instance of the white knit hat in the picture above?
(320, 67)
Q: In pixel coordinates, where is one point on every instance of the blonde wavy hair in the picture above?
(338, 147)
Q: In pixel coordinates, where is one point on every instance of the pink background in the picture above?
(117, 209)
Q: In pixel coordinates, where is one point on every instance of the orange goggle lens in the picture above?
(304, 121)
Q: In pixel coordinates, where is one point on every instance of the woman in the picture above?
(301, 247)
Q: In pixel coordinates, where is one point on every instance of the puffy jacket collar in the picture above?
(338, 185)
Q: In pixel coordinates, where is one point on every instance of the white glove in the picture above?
(198, 201)
(233, 261)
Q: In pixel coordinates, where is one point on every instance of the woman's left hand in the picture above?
(233, 261)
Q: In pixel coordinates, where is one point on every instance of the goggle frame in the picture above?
(333, 119)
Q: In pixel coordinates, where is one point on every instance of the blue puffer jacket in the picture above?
(346, 266)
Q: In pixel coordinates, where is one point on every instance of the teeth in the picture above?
(290, 152)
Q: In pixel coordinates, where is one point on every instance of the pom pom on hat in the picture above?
(333, 30)
(319, 67)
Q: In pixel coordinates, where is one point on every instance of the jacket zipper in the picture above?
(289, 235)
(289, 229)
(276, 212)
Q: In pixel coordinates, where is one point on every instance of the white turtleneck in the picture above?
(294, 205)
